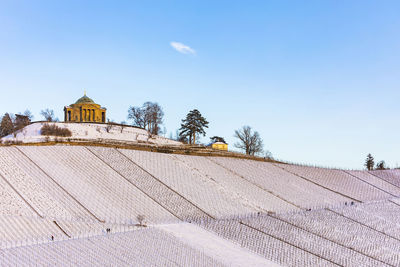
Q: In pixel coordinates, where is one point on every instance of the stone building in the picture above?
(84, 110)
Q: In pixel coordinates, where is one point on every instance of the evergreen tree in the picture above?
(193, 125)
(6, 126)
(215, 139)
(22, 120)
(369, 162)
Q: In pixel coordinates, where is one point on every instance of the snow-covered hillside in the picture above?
(87, 206)
(90, 132)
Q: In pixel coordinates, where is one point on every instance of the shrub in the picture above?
(12, 142)
(54, 130)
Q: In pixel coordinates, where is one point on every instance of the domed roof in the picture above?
(85, 100)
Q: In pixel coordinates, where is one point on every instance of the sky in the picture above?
(319, 80)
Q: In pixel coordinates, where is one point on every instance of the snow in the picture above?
(33, 185)
(149, 184)
(338, 181)
(244, 191)
(91, 132)
(224, 251)
(192, 184)
(95, 185)
(376, 181)
(390, 176)
(349, 233)
(146, 247)
(288, 187)
(308, 241)
(75, 193)
(265, 245)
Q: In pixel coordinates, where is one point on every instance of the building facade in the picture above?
(85, 110)
(220, 146)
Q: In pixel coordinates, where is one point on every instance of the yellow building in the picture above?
(220, 146)
(84, 110)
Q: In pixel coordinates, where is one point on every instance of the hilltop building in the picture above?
(218, 142)
(218, 146)
(84, 110)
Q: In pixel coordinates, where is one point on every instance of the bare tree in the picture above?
(381, 165)
(249, 141)
(28, 114)
(122, 125)
(110, 124)
(149, 116)
(137, 115)
(155, 116)
(48, 114)
(268, 155)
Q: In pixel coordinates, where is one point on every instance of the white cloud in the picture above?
(181, 48)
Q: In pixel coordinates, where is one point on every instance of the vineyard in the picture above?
(103, 206)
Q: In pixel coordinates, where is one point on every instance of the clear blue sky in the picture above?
(319, 80)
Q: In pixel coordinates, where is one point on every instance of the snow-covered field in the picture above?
(90, 132)
(82, 205)
(104, 192)
(287, 186)
(338, 181)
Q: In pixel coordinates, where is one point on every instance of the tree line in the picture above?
(193, 126)
(370, 164)
(12, 123)
(150, 117)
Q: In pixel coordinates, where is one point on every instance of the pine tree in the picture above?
(6, 126)
(215, 139)
(193, 125)
(369, 162)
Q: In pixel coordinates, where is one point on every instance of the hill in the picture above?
(85, 132)
(109, 206)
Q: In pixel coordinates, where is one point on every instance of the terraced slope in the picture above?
(192, 184)
(390, 176)
(137, 248)
(78, 205)
(338, 181)
(287, 186)
(95, 185)
(343, 236)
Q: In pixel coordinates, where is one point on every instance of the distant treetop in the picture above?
(216, 139)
